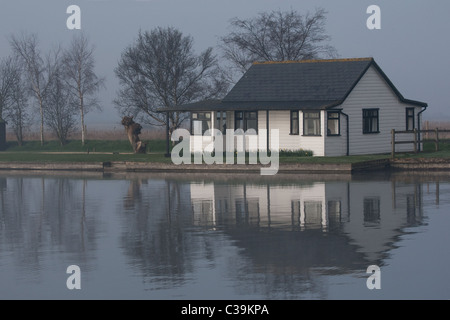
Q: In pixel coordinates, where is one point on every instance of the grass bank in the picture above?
(120, 150)
(109, 146)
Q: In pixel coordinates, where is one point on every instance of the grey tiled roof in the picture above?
(307, 84)
(317, 80)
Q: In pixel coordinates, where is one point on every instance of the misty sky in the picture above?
(412, 46)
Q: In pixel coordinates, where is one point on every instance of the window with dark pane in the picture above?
(246, 120)
(221, 121)
(409, 119)
(333, 124)
(200, 122)
(370, 121)
(294, 122)
(311, 123)
(239, 120)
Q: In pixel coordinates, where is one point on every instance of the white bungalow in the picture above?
(332, 107)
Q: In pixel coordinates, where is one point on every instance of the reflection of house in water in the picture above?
(368, 215)
(272, 235)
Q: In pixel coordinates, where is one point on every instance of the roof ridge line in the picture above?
(315, 60)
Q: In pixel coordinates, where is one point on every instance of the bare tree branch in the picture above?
(80, 78)
(16, 108)
(39, 70)
(276, 36)
(61, 107)
(9, 73)
(161, 70)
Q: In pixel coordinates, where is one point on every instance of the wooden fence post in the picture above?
(437, 139)
(393, 143)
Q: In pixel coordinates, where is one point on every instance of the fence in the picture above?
(417, 138)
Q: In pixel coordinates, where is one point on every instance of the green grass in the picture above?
(92, 151)
(120, 146)
(120, 150)
(349, 159)
(429, 151)
(57, 157)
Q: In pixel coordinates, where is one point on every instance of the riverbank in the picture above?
(416, 164)
(116, 156)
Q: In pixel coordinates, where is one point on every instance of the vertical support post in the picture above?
(436, 138)
(268, 132)
(415, 140)
(393, 143)
(268, 205)
(167, 136)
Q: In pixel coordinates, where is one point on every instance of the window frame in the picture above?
(338, 126)
(307, 112)
(202, 118)
(220, 121)
(297, 127)
(408, 116)
(245, 118)
(364, 117)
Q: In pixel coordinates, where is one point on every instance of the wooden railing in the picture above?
(417, 138)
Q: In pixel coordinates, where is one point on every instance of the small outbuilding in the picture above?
(332, 107)
(2, 135)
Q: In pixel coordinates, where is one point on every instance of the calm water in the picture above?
(153, 236)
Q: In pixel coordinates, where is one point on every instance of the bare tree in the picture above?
(79, 75)
(9, 71)
(277, 36)
(40, 70)
(61, 108)
(17, 113)
(161, 70)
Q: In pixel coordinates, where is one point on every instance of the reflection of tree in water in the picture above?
(155, 217)
(46, 213)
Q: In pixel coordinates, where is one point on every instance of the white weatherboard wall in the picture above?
(281, 120)
(277, 120)
(314, 143)
(371, 92)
